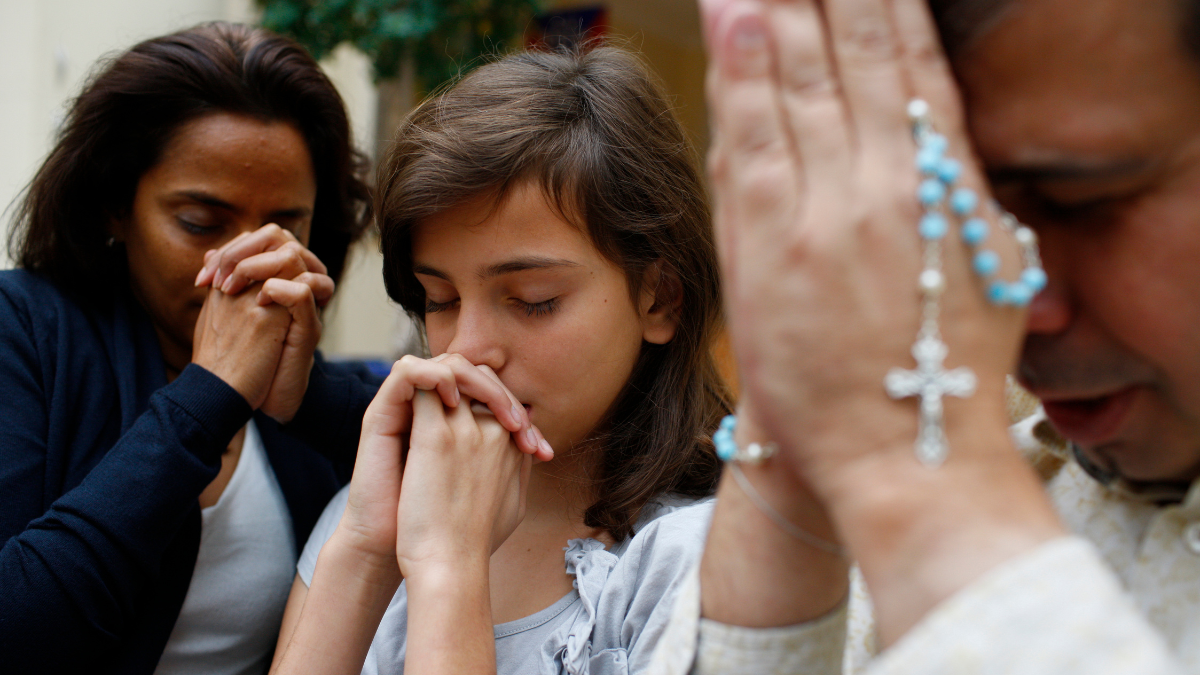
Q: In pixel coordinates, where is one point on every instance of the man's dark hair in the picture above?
(962, 22)
(117, 128)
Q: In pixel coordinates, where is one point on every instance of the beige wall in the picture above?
(47, 48)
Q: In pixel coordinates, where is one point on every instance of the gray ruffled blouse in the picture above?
(608, 625)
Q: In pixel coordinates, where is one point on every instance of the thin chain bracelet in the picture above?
(755, 453)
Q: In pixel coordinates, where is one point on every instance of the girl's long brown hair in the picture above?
(596, 131)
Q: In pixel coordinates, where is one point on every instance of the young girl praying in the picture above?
(545, 220)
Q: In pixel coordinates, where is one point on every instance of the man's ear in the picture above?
(661, 297)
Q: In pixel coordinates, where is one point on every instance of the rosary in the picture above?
(942, 200)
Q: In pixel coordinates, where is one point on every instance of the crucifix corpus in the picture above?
(931, 382)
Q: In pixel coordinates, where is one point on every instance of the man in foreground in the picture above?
(1081, 119)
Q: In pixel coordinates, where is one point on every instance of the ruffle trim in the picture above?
(590, 563)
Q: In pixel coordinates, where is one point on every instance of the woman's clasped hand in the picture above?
(260, 323)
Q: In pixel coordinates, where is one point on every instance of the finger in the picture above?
(299, 301)
(481, 384)
(320, 287)
(323, 287)
(206, 272)
(526, 471)
(427, 375)
(756, 172)
(266, 238)
(529, 439)
(287, 261)
(927, 68)
(432, 419)
(868, 62)
(812, 98)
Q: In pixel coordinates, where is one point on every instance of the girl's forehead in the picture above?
(523, 222)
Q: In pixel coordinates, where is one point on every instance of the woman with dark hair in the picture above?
(543, 218)
(158, 438)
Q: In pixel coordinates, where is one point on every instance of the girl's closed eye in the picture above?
(539, 308)
(433, 307)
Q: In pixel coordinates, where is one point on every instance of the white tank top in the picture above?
(231, 614)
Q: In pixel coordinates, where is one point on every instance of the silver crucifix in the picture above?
(931, 382)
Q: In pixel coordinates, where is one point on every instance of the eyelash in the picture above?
(194, 228)
(530, 308)
(540, 308)
(432, 307)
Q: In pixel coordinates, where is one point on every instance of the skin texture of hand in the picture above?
(371, 511)
(463, 495)
(745, 544)
(816, 217)
(291, 277)
(464, 484)
(240, 341)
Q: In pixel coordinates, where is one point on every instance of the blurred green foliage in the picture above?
(441, 36)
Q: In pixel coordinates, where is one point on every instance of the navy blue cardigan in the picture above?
(101, 466)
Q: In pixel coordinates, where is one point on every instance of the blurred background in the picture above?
(383, 55)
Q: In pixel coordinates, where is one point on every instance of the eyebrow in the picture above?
(210, 200)
(521, 264)
(1067, 170)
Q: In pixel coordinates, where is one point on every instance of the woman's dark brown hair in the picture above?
(597, 133)
(117, 128)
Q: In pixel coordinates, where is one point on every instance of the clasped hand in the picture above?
(262, 343)
(439, 479)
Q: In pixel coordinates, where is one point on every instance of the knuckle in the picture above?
(812, 80)
(767, 183)
(870, 39)
(406, 362)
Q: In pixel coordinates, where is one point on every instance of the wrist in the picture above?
(352, 552)
(441, 566)
(921, 534)
(755, 574)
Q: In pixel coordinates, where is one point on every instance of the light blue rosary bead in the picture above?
(963, 201)
(1034, 278)
(933, 226)
(1019, 294)
(931, 192)
(986, 263)
(975, 231)
(949, 170)
(723, 438)
(997, 292)
(935, 142)
(928, 161)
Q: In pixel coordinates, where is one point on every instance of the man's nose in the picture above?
(1050, 311)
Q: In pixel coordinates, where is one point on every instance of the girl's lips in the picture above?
(1091, 421)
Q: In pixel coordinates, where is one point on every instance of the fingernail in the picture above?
(198, 275)
(749, 33)
(516, 414)
(457, 397)
(227, 285)
(546, 447)
(531, 438)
